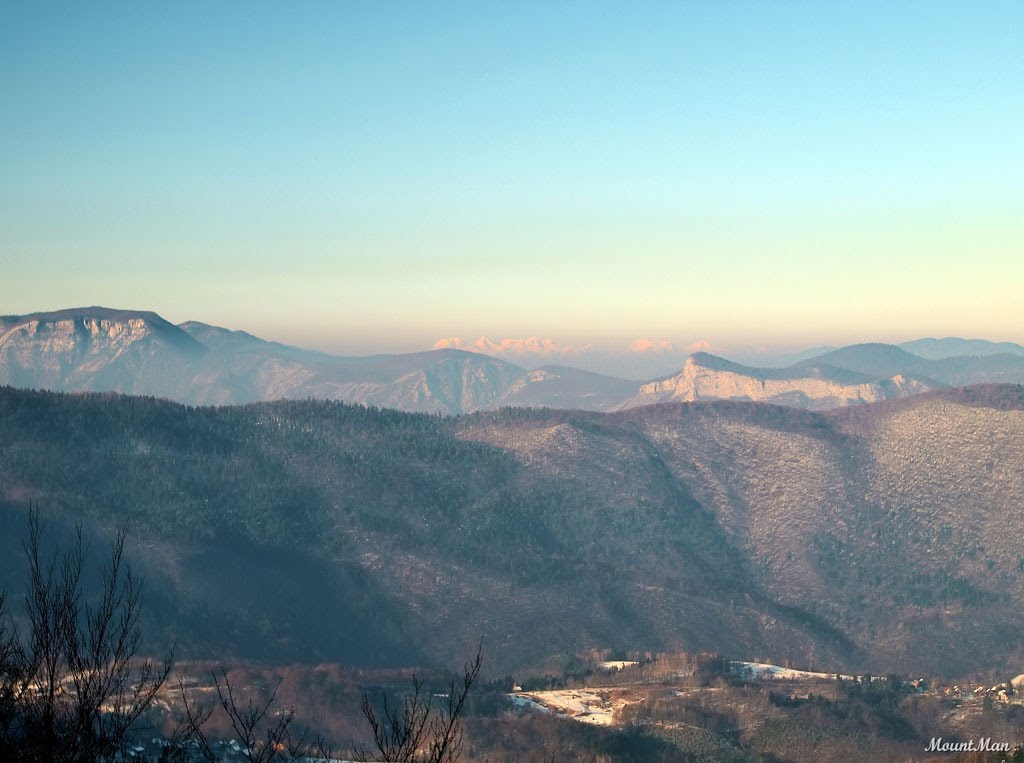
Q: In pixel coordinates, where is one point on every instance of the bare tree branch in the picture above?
(416, 732)
(246, 721)
(72, 688)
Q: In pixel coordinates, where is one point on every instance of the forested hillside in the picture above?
(871, 538)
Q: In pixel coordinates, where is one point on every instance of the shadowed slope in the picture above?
(746, 528)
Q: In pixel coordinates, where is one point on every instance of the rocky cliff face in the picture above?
(812, 388)
(102, 350)
(99, 350)
(95, 349)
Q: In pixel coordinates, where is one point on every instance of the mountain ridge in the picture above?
(948, 347)
(138, 352)
(818, 386)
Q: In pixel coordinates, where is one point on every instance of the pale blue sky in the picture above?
(376, 175)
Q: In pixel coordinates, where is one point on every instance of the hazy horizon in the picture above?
(562, 349)
(361, 178)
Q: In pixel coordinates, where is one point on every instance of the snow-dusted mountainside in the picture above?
(707, 377)
(860, 373)
(443, 381)
(97, 349)
(878, 537)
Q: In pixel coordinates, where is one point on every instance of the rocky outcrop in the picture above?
(705, 377)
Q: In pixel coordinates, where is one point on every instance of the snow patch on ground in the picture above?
(767, 671)
(594, 706)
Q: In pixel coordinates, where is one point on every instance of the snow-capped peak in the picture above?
(652, 345)
(511, 346)
(666, 347)
(448, 343)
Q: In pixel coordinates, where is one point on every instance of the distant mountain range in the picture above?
(531, 347)
(875, 537)
(99, 349)
(641, 359)
(951, 347)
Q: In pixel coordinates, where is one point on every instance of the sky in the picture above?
(375, 175)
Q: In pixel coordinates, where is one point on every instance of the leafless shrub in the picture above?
(72, 687)
(416, 731)
(264, 733)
